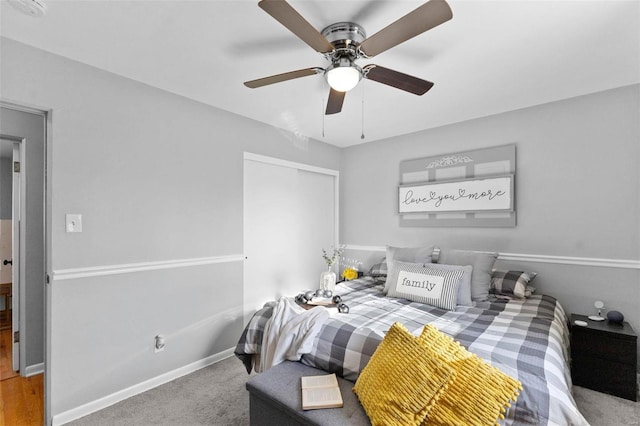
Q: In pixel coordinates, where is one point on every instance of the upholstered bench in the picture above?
(275, 399)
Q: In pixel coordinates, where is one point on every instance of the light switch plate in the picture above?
(74, 222)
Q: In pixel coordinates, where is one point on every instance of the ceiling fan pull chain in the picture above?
(362, 135)
(324, 89)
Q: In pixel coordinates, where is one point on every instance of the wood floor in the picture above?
(21, 398)
(6, 372)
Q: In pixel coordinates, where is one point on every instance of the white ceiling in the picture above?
(493, 56)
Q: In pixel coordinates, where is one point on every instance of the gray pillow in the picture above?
(482, 264)
(408, 254)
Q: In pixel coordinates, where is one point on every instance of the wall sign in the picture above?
(469, 195)
(451, 190)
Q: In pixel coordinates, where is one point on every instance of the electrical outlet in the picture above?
(159, 343)
(73, 222)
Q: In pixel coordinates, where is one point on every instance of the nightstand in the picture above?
(604, 357)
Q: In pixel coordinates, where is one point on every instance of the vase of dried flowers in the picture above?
(328, 277)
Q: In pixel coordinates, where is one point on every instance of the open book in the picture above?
(320, 392)
(321, 301)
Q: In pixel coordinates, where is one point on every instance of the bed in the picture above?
(525, 338)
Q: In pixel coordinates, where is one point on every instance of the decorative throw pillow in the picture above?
(429, 283)
(400, 384)
(477, 395)
(482, 266)
(379, 269)
(511, 283)
(464, 291)
(408, 254)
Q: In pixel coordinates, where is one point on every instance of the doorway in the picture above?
(23, 132)
(11, 204)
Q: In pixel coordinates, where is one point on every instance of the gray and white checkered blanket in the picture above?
(526, 339)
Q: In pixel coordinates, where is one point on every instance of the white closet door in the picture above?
(289, 216)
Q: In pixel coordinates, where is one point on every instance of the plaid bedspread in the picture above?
(526, 339)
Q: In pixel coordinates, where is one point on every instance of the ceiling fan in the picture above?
(343, 43)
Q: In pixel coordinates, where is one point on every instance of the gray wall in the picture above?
(6, 177)
(31, 127)
(157, 178)
(577, 194)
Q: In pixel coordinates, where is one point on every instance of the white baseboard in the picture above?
(106, 401)
(32, 370)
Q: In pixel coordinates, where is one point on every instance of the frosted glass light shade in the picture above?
(343, 78)
(33, 8)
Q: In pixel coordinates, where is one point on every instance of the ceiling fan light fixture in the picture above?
(344, 43)
(34, 8)
(343, 75)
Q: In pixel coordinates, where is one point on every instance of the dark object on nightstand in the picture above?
(604, 357)
(615, 317)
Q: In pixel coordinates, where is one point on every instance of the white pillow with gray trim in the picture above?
(427, 283)
(408, 254)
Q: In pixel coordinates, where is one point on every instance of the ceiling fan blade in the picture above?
(429, 15)
(282, 77)
(282, 12)
(334, 104)
(396, 79)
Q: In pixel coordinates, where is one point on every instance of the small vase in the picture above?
(328, 280)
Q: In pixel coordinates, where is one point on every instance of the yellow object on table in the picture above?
(349, 274)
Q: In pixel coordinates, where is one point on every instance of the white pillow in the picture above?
(432, 284)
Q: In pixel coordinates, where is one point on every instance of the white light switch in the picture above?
(74, 222)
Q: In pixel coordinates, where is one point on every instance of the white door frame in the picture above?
(18, 200)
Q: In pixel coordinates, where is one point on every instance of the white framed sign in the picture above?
(491, 194)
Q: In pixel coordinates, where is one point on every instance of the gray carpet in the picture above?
(216, 395)
(605, 410)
